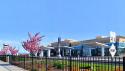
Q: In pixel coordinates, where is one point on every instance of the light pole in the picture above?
(59, 42)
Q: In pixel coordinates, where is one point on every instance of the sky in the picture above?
(74, 19)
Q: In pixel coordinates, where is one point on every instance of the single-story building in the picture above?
(87, 47)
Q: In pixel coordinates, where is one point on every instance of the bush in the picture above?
(58, 65)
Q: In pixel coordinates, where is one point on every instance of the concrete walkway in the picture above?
(4, 66)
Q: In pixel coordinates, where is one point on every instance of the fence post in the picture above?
(24, 61)
(7, 58)
(32, 63)
(10, 59)
(70, 64)
(123, 63)
(46, 63)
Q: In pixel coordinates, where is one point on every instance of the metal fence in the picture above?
(67, 63)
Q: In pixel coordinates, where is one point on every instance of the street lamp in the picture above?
(59, 42)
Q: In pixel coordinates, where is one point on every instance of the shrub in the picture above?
(58, 65)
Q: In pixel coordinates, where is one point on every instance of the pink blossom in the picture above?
(8, 49)
(32, 44)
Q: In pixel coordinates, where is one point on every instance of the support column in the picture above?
(48, 53)
(70, 52)
(103, 51)
(63, 52)
(90, 52)
(82, 53)
(41, 55)
(59, 55)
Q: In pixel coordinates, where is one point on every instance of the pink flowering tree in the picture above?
(32, 45)
(2, 52)
(13, 51)
(8, 49)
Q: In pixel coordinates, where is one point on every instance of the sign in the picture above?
(112, 37)
(112, 50)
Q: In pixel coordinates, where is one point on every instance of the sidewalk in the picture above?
(4, 66)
